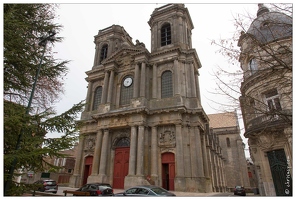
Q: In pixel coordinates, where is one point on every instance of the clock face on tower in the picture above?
(127, 82)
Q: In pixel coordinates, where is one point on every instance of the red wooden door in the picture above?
(121, 162)
(168, 171)
(171, 176)
(87, 168)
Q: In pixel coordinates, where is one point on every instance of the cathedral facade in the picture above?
(144, 122)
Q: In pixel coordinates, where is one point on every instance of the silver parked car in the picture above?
(145, 190)
(47, 185)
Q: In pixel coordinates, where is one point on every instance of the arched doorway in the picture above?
(87, 168)
(168, 171)
(121, 162)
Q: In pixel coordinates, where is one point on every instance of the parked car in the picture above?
(239, 190)
(47, 185)
(145, 190)
(97, 189)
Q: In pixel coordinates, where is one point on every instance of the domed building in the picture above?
(266, 99)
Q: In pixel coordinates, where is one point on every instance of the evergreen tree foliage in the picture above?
(24, 25)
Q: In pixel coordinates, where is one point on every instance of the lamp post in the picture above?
(43, 42)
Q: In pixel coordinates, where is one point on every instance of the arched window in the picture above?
(253, 66)
(166, 37)
(127, 88)
(166, 84)
(123, 142)
(104, 51)
(97, 98)
(228, 142)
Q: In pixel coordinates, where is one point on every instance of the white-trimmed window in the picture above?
(273, 100)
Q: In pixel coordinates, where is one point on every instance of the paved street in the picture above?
(178, 194)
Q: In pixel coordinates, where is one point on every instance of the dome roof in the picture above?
(270, 26)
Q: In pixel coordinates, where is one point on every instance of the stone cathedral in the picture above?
(144, 122)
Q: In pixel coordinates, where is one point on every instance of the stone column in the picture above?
(140, 152)
(96, 62)
(180, 183)
(205, 155)
(103, 162)
(97, 153)
(200, 165)
(154, 156)
(154, 82)
(193, 152)
(133, 152)
(193, 84)
(75, 180)
(177, 79)
(105, 88)
(179, 151)
(143, 80)
(89, 97)
(197, 88)
(110, 89)
(136, 81)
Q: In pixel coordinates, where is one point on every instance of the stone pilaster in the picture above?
(103, 162)
(105, 88)
(136, 82)
(154, 154)
(140, 151)
(96, 158)
(110, 87)
(76, 179)
(154, 82)
(143, 80)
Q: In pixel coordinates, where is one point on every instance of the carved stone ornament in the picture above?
(266, 140)
(167, 139)
(124, 59)
(90, 142)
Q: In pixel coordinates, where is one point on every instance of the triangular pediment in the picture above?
(124, 56)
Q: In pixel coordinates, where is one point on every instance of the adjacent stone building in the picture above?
(226, 128)
(266, 101)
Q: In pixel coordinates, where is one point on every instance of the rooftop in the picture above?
(221, 120)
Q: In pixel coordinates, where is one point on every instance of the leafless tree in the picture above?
(269, 46)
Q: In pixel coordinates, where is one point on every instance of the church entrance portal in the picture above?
(121, 162)
(87, 168)
(120, 166)
(168, 171)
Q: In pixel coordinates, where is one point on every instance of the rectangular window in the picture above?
(273, 100)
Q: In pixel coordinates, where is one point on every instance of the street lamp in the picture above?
(43, 42)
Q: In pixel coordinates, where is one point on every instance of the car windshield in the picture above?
(103, 187)
(50, 182)
(159, 190)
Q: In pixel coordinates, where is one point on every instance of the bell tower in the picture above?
(171, 26)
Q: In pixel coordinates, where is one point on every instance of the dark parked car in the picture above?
(239, 190)
(145, 190)
(47, 185)
(97, 189)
